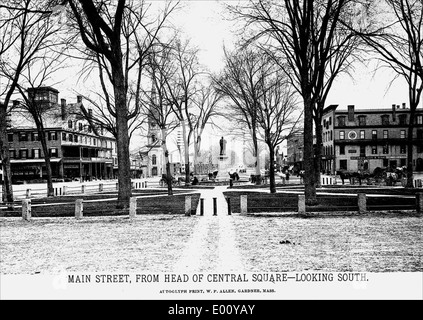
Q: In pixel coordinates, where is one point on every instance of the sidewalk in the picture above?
(212, 246)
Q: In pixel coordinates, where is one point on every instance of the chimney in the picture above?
(351, 113)
(79, 99)
(403, 105)
(394, 113)
(63, 108)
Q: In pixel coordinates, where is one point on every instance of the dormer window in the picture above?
(362, 120)
(341, 121)
(385, 120)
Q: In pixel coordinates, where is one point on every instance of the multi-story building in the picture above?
(295, 149)
(364, 139)
(77, 149)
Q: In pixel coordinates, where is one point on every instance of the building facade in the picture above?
(362, 140)
(77, 150)
(295, 149)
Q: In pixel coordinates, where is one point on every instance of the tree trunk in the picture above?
(186, 153)
(166, 162)
(309, 176)
(43, 140)
(410, 182)
(318, 151)
(256, 155)
(7, 194)
(272, 168)
(124, 165)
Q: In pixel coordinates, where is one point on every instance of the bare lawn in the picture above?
(155, 242)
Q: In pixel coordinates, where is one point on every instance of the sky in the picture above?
(206, 24)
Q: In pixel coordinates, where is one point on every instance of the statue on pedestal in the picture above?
(222, 147)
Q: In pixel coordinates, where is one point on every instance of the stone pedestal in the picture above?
(223, 169)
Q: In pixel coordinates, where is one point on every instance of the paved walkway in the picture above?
(212, 246)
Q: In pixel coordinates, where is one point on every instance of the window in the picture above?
(36, 153)
(385, 134)
(70, 124)
(419, 119)
(343, 164)
(362, 134)
(23, 136)
(402, 119)
(331, 135)
(419, 134)
(374, 149)
(385, 162)
(361, 120)
(75, 138)
(385, 149)
(80, 126)
(12, 153)
(402, 134)
(10, 137)
(341, 121)
(362, 151)
(35, 136)
(403, 148)
(341, 149)
(23, 153)
(89, 129)
(403, 162)
(330, 120)
(52, 135)
(95, 141)
(64, 136)
(374, 134)
(53, 152)
(341, 135)
(385, 120)
(154, 159)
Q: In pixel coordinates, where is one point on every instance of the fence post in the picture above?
(79, 208)
(28, 193)
(83, 189)
(117, 186)
(100, 187)
(243, 204)
(188, 206)
(301, 204)
(26, 209)
(419, 202)
(228, 200)
(215, 206)
(146, 184)
(65, 190)
(201, 206)
(132, 207)
(362, 203)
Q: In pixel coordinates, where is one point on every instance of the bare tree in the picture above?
(206, 103)
(398, 42)
(111, 33)
(314, 45)
(181, 90)
(278, 116)
(240, 84)
(26, 32)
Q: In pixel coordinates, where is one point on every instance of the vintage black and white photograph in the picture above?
(211, 150)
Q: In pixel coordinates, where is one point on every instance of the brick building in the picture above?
(77, 150)
(364, 139)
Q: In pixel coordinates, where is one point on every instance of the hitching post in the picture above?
(229, 205)
(215, 206)
(243, 204)
(79, 209)
(100, 187)
(26, 209)
(132, 207)
(362, 203)
(83, 189)
(28, 193)
(301, 204)
(419, 202)
(188, 206)
(201, 206)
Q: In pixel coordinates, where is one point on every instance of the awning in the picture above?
(34, 160)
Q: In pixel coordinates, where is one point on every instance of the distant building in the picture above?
(77, 150)
(369, 138)
(295, 152)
